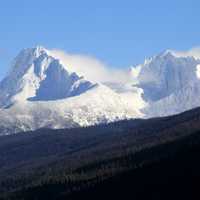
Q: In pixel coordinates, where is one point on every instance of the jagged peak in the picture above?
(148, 60)
(40, 50)
(34, 51)
(25, 59)
(37, 75)
(177, 54)
(168, 53)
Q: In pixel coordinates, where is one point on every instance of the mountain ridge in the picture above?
(41, 92)
(49, 157)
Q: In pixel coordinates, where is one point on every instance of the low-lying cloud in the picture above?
(92, 68)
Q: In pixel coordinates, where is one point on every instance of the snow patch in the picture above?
(198, 71)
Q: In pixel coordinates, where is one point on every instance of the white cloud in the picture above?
(194, 52)
(91, 68)
(95, 70)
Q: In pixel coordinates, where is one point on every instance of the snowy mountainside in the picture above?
(98, 105)
(41, 92)
(170, 84)
(37, 76)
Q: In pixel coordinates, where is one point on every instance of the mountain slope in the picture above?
(48, 158)
(35, 75)
(41, 92)
(170, 84)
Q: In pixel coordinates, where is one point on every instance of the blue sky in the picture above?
(119, 33)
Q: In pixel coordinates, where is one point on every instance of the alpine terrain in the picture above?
(41, 92)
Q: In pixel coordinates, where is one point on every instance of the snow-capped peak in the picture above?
(40, 91)
(165, 74)
(192, 54)
(36, 92)
(39, 50)
(36, 75)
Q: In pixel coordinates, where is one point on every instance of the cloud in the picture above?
(95, 70)
(194, 52)
(91, 68)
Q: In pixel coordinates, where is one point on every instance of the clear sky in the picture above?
(120, 33)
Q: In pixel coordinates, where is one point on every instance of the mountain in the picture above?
(36, 76)
(170, 84)
(158, 156)
(42, 92)
(39, 91)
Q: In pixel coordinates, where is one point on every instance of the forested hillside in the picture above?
(140, 158)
